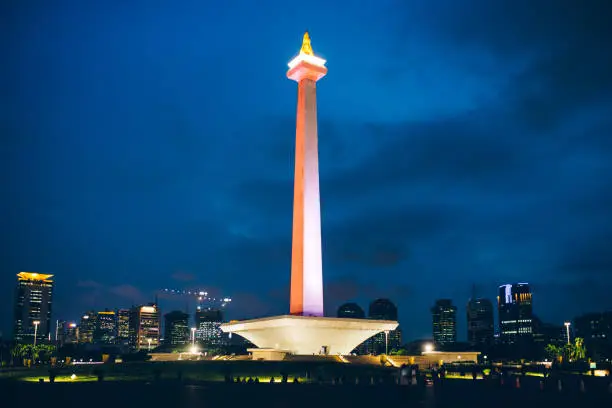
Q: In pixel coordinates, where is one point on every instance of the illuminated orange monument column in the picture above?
(306, 263)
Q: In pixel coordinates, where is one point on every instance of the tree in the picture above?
(580, 348)
(576, 351)
(554, 352)
(30, 352)
(43, 352)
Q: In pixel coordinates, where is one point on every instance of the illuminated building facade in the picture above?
(208, 326)
(60, 329)
(70, 333)
(176, 328)
(87, 326)
(381, 343)
(515, 310)
(306, 297)
(481, 329)
(123, 326)
(305, 330)
(33, 304)
(67, 333)
(106, 328)
(145, 327)
(444, 319)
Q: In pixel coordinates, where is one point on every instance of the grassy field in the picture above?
(201, 371)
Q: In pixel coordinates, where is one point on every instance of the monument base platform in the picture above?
(306, 335)
(268, 354)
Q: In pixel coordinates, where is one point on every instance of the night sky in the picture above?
(150, 144)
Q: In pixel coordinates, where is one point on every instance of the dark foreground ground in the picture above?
(172, 394)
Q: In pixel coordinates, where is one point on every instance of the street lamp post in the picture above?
(193, 330)
(386, 342)
(567, 327)
(36, 323)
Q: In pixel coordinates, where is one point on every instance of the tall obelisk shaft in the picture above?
(306, 263)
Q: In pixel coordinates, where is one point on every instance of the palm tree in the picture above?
(29, 351)
(20, 352)
(578, 349)
(554, 352)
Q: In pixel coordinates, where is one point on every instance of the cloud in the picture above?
(348, 288)
(183, 276)
(383, 239)
(90, 284)
(558, 49)
(337, 290)
(483, 157)
(456, 150)
(128, 292)
(96, 295)
(512, 26)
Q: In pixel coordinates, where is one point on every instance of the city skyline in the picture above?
(480, 316)
(139, 157)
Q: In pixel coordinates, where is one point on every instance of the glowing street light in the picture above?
(149, 341)
(193, 330)
(428, 348)
(36, 323)
(567, 327)
(386, 342)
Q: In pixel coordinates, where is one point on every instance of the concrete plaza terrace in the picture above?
(305, 330)
(307, 334)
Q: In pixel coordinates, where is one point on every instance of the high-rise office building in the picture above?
(383, 309)
(145, 327)
(123, 326)
(444, 319)
(594, 326)
(354, 311)
(87, 326)
(515, 310)
(546, 333)
(176, 330)
(106, 328)
(33, 301)
(71, 335)
(596, 330)
(208, 326)
(351, 311)
(67, 333)
(480, 322)
(60, 330)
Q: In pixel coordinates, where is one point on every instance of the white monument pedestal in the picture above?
(305, 335)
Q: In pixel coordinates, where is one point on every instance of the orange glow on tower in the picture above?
(34, 276)
(306, 259)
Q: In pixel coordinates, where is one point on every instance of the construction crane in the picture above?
(203, 300)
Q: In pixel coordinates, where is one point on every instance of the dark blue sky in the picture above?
(150, 144)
